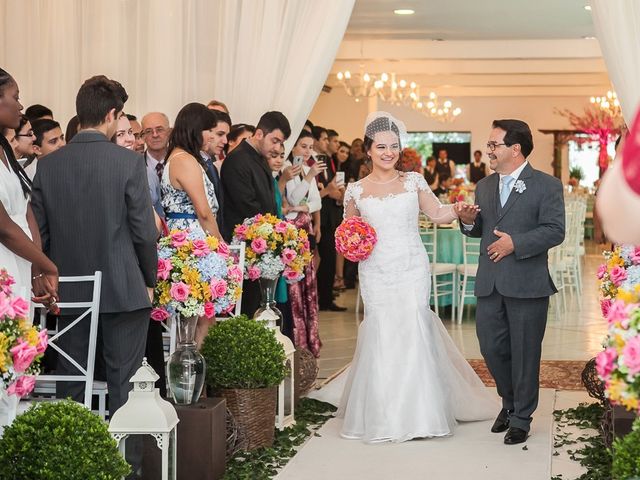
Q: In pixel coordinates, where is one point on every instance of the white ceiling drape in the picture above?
(254, 55)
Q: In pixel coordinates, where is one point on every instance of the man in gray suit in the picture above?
(519, 215)
(92, 203)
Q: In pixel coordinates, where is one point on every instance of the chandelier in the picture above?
(397, 92)
(609, 103)
(443, 113)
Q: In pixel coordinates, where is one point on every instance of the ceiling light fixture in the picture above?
(404, 11)
(587, 8)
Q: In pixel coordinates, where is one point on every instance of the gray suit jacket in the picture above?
(92, 203)
(535, 221)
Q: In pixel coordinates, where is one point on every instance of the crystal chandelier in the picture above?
(397, 92)
(443, 113)
(357, 86)
(608, 103)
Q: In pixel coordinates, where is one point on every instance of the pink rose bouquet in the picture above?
(355, 239)
(21, 344)
(196, 276)
(273, 247)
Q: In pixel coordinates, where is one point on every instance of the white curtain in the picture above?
(254, 55)
(617, 24)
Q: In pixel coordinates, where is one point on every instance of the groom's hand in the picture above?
(466, 213)
(501, 247)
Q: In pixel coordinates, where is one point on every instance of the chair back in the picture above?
(470, 250)
(429, 235)
(90, 311)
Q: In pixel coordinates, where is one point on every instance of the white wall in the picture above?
(339, 111)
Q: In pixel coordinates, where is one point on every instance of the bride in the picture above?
(407, 379)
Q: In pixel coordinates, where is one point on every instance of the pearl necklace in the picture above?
(384, 183)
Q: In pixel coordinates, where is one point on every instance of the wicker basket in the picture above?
(254, 411)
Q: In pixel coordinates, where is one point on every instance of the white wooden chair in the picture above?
(444, 276)
(46, 384)
(468, 270)
(171, 327)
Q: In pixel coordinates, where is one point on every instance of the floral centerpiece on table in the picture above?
(461, 193)
(355, 239)
(273, 247)
(21, 344)
(196, 276)
(619, 364)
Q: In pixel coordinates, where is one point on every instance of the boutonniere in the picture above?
(520, 186)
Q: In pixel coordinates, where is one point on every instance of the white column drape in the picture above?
(283, 53)
(617, 25)
(254, 55)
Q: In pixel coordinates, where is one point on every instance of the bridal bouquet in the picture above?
(273, 247)
(196, 276)
(619, 364)
(21, 344)
(355, 239)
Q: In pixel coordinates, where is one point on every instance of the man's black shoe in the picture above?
(502, 422)
(515, 435)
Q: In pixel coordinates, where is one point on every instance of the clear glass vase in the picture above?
(186, 366)
(268, 312)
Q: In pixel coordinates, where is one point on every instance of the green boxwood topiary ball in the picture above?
(626, 455)
(243, 353)
(61, 440)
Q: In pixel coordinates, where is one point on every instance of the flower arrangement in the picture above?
(21, 344)
(196, 276)
(273, 247)
(461, 193)
(618, 365)
(355, 239)
(411, 161)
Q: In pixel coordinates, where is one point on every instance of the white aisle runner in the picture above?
(473, 452)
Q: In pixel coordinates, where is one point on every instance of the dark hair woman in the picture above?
(188, 193)
(15, 188)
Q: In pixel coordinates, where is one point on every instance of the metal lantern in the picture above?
(286, 390)
(146, 413)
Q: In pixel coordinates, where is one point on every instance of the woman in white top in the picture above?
(303, 199)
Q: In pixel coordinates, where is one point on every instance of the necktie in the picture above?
(159, 170)
(506, 189)
(215, 179)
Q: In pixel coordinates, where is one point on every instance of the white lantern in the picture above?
(146, 413)
(286, 389)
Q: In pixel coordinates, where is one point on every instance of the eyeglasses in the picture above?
(151, 131)
(492, 145)
(28, 134)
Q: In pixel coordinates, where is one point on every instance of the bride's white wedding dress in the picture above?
(407, 379)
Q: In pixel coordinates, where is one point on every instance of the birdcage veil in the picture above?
(385, 122)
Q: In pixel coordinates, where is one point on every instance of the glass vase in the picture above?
(8, 409)
(268, 312)
(186, 366)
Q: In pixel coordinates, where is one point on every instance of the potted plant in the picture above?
(51, 441)
(576, 174)
(245, 365)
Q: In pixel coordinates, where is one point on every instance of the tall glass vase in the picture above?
(268, 312)
(186, 366)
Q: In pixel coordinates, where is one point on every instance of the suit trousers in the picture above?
(327, 268)
(510, 331)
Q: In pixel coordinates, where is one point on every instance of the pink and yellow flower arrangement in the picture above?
(21, 344)
(355, 239)
(461, 193)
(273, 247)
(619, 364)
(197, 276)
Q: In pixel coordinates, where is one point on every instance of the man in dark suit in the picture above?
(519, 217)
(92, 203)
(248, 185)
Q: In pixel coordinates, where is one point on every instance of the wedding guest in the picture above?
(443, 187)
(343, 162)
(238, 133)
(123, 135)
(445, 167)
(25, 138)
(155, 133)
(331, 216)
(49, 138)
(347, 164)
(217, 144)
(334, 142)
(108, 197)
(10, 135)
(72, 128)
(136, 129)
(431, 174)
(477, 169)
(217, 105)
(37, 112)
(247, 184)
(304, 201)
(15, 186)
(308, 126)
